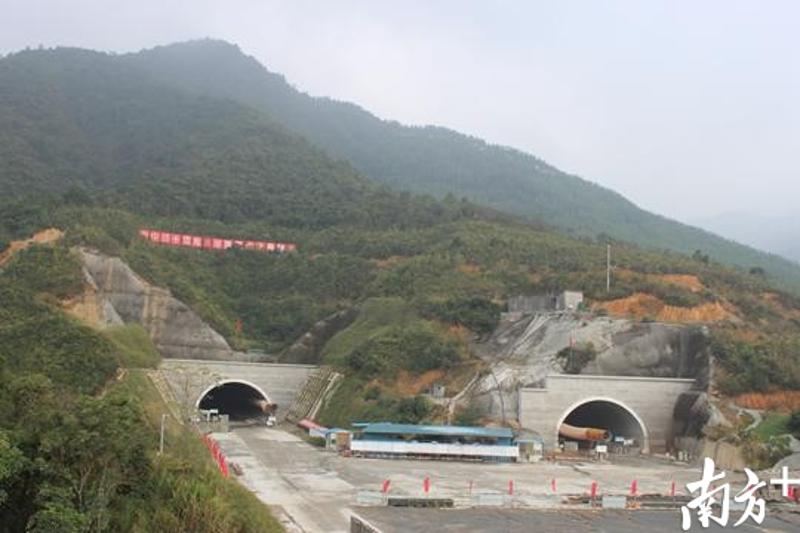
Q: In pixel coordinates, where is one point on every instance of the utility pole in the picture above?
(608, 268)
(161, 440)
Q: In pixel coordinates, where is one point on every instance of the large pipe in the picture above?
(264, 406)
(594, 434)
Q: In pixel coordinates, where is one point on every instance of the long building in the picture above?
(446, 442)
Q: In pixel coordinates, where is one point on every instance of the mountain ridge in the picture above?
(777, 234)
(439, 161)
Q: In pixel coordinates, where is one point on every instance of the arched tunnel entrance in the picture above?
(621, 428)
(237, 399)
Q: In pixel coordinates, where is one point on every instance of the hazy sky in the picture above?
(688, 108)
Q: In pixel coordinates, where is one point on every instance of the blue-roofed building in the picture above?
(456, 442)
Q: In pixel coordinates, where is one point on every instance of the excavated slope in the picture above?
(522, 352)
(118, 294)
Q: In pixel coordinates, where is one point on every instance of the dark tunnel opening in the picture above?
(615, 419)
(239, 401)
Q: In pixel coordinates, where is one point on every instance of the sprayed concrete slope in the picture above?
(116, 294)
(522, 352)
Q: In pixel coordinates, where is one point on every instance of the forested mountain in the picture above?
(99, 146)
(439, 161)
(87, 123)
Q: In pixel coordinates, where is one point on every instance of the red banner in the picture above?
(213, 243)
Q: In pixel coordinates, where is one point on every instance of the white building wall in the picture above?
(433, 448)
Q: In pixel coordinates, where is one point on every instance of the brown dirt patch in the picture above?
(86, 307)
(467, 268)
(774, 302)
(640, 305)
(785, 401)
(389, 262)
(408, 384)
(708, 312)
(637, 305)
(47, 236)
(535, 278)
(746, 335)
(685, 281)
(459, 333)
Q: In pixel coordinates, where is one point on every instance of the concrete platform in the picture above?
(386, 520)
(318, 490)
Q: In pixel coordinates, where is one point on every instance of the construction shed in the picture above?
(432, 441)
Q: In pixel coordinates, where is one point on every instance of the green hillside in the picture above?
(77, 444)
(98, 148)
(91, 144)
(438, 161)
(84, 123)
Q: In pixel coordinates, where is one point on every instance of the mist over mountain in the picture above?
(778, 234)
(439, 161)
(410, 244)
(195, 128)
(90, 124)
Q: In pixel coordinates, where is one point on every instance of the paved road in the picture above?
(389, 520)
(317, 490)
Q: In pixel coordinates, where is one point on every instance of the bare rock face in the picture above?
(694, 412)
(90, 307)
(307, 349)
(655, 350)
(522, 352)
(176, 330)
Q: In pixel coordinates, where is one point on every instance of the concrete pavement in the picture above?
(316, 490)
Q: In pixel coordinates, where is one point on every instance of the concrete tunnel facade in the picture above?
(190, 381)
(636, 407)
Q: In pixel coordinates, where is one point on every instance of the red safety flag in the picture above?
(426, 484)
(790, 493)
(593, 491)
(510, 487)
(385, 487)
(634, 488)
(672, 489)
(553, 485)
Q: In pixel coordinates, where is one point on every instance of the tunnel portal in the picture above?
(609, 416)
(238, 400)
(649, 401)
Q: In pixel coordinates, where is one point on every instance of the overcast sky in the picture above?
(688, 108)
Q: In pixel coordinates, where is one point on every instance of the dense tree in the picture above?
(438, 161)
(76, 451)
